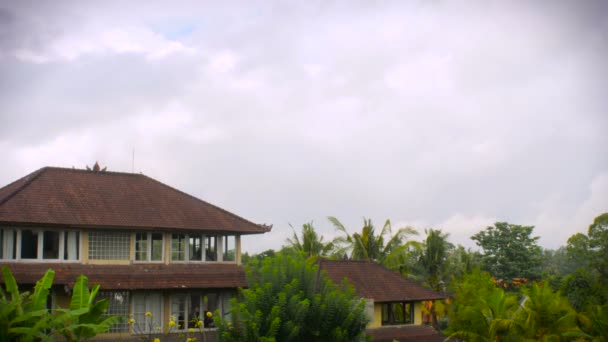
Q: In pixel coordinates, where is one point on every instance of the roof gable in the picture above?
(372, 280)
(59, 196)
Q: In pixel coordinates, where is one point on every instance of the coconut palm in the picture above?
(311, 243)
(385, 248)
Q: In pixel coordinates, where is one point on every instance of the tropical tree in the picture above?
(545, 315)
(288, 299)
(509, 251)
(435, 251)
(598, 243)
(387, 248)
(310, 242)
(480, 311)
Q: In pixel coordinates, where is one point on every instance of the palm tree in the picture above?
(367, 245)
(480, 311)
(545, 315)
(310, 243)
(434, 255)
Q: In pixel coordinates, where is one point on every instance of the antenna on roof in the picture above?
(133, 161)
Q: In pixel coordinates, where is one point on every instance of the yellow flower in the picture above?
(191, 330)
(199, 324)
(209, 314)
(171, 324)
(131, 321)
(157, 340)
(148, 314)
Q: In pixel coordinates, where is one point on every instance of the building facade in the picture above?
(394, 303)
(152, 248)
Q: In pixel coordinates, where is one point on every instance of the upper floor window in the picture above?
(148, 247)
(194, 247)
(229, 249)
(109, 245)
(397, 313)
(39, 244)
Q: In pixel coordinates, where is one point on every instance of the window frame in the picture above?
(391, 314)
(149, 247)
(187, 309)
(217, 238)
(147, 305)
(40, 233)
(112, 253)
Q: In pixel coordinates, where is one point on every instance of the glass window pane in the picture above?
(141, 246)
(157, 246)
(71, 245)
(178, 310)
(398, 313)
(8, 244)
(178, 247)
(194, 310)
(118, 305)
(195, 248)
(109, 245)
(143, 303)
(29, 244)
(210, 248)
(50, 245)
(229, 248)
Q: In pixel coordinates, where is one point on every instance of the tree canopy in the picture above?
(509, 251)
(289, 299)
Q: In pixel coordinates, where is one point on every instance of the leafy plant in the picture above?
(25, 317)
(289, 299)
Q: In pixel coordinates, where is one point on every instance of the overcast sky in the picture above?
(444, 114)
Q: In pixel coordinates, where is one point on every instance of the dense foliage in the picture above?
(25, 317)
(510, 252)
(289, 299)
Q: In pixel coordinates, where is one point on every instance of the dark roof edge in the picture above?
(32, 176)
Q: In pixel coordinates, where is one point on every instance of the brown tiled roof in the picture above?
(136, 276)
(410, 333)
(374, 281)
(81, 198)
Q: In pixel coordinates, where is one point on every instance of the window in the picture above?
(109, 245)
(211, 248)
(189, 308)
(229, 248)
(118, 305)
(149, 247)
(29, 244)
(178, 247)
(193, 247)
(71, 245)
(397, 313)
(50, 245)
(8, 244)
(38, 244)
(147, 302)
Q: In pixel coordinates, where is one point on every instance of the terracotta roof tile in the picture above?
(410, 333)
(136, 276)
(374, 281)
(81, 198)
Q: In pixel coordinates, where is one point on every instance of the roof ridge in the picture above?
(262, 227)
(34, 175)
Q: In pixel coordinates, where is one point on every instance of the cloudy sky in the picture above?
(445, 114)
